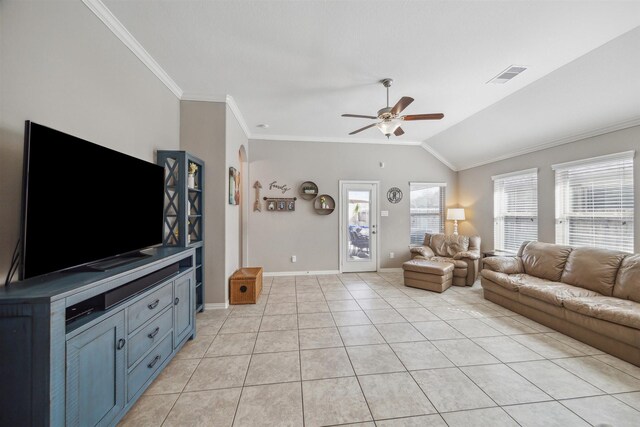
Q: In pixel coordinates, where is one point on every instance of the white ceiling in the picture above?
(298, 65)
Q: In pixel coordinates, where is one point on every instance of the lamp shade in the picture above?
(389, 126)
(455, 214)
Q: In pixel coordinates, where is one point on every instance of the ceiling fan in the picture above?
(390, 118)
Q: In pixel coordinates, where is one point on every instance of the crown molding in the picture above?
(104, 14)
(238, 114)
(227, 99)
(438, 156)
(625, 124)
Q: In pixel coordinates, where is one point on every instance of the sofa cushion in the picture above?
(423, 251)
(513, 282)
(593, 268)
(500, 279)
(508, 265)
(456, 262)
(554, 292)
(616, 310)
(628, 281)
(545, 260)
(448, 245)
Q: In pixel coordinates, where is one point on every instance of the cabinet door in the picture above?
(183, 307)
(95, 373)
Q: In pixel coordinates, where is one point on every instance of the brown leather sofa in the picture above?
(590, 294)
(461, 251)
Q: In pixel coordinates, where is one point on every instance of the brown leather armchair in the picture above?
(461, 251)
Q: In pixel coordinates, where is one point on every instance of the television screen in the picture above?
(83, 202)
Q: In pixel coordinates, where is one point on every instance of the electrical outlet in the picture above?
(392, 255)
(293, 258)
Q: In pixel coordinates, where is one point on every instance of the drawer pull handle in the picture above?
(153, 304)
(153, 362)
(153, 334)
(120, 345)
(176, 301)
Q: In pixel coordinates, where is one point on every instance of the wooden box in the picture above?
(245, 285)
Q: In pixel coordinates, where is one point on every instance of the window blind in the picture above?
(594, 202)
(426, 209)
(515, 209)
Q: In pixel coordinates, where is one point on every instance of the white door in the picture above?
(358, 226)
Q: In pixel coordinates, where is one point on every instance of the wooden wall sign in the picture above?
(280, 204)
(282, 187)
(256, 204)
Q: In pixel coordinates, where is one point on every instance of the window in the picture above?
(594, 202)
(515, 209)
(426, 208)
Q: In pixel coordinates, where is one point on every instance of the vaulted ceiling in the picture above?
(298, 65)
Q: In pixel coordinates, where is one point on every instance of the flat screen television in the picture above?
(82, 202)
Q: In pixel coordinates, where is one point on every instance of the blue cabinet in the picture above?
(183, 311)
(61, 364)
(95, 373)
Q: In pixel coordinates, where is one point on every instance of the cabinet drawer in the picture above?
(149, 365)
(149, 306)
(148, 336)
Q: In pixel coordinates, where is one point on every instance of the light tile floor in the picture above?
(364, 349)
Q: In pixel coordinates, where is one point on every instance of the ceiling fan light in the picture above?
(387, 127)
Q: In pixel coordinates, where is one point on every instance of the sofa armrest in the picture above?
(467, 254)
(424, 251)
(507, 265)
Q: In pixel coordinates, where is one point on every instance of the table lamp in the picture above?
(455, 214)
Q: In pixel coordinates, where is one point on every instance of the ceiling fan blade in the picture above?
(359, 116)
(398, 132)
(364, 128)
(434, 116)
(401, 105)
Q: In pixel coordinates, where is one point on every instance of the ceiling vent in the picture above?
(507, 74)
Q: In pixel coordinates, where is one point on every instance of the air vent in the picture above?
(507, 74)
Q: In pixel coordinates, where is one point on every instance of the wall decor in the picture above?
(308, 190)
(280, 204)
(324, 204)
(394, 195)
(234, 186)
(282, 187)
(256, 204)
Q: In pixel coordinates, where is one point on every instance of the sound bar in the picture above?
(123, 292)
(115, 296)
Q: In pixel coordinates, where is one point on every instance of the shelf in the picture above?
(308, 196)
(198, 284)
(181, 227)
(198, 266)
(317, 205)
(199, 308)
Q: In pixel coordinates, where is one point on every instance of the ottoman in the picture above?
(434, 276)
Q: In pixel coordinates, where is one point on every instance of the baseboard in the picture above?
(300, 273)
(390, 270)
(216, 306)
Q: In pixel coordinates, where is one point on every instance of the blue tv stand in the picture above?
(89, 369)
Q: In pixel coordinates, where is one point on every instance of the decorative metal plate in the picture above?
(394, 195)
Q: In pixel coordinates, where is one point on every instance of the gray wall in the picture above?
(210, 131)
(475, 187)
(235, 139)
(62, 67)
(275, 236)
(202, 133)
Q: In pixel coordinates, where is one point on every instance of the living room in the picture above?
(339, 335)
